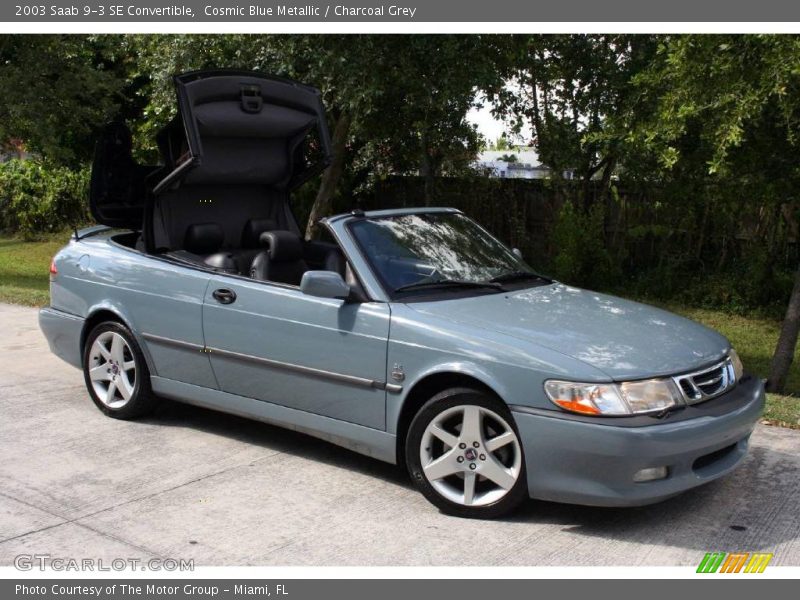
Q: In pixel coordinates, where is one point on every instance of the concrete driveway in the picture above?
(190, 483)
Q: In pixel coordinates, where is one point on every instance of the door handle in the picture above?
(224, 296)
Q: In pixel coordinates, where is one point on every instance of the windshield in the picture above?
(437, 250)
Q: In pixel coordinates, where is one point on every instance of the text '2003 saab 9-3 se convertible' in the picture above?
(413, 335)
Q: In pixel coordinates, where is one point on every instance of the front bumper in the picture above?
(582, 462)
(63, 333)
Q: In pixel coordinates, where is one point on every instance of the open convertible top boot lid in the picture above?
(239, 144)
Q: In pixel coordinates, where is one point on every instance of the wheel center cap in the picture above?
(115, 369)
(470, 454)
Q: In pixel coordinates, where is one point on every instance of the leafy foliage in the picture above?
(57, 91)
(570, 94)
(582, 254)
(36, 197)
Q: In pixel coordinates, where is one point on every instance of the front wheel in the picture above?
(464, 454)
(115, 372)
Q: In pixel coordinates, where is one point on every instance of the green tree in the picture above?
(573, 93)
(58, 90)
(730, 106)
(501, 144)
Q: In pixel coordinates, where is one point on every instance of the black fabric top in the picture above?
(228, 119)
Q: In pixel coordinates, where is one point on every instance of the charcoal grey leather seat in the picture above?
(282, 261)
(202, 244)
(203, 238)
(251, 242)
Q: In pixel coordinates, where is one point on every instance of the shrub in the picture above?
(39, 198)
(582, 257)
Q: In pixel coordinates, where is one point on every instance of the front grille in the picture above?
(708, 383)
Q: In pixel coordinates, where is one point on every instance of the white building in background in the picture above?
(526, 166)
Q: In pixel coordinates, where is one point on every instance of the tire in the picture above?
(113, 360)
(445, 465)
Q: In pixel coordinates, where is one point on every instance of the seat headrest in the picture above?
(253, 229)
(203, 238)
(283, 246)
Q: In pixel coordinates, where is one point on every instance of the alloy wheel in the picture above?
(112, 369)
(470, 455)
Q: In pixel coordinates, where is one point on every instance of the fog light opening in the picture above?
(650, 474)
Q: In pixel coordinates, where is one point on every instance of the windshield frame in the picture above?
(445, 292)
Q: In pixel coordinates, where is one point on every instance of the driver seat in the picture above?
(282, 261)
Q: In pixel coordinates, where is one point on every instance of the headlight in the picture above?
(634, 397)
(738, 368)
(653, 394)
(587, 398)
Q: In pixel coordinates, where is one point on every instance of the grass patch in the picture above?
(783, 411)
(24, 268)
(24, 280)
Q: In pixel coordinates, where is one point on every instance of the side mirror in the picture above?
(324, 284)
(517, 251)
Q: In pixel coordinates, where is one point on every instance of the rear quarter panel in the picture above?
(149, 295)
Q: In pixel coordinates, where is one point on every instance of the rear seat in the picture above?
(201, 245)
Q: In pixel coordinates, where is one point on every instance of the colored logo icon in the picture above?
(734, 562)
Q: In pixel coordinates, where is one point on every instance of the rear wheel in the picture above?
(115, 372)
(464, 454)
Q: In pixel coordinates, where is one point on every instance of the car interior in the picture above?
(240, 144)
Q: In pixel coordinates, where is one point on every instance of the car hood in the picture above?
(624, 339)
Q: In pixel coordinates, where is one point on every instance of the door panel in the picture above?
(319, 355)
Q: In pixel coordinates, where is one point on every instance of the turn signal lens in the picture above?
(53, 270)
(578, 407)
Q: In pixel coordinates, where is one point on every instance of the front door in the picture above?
(274, 343)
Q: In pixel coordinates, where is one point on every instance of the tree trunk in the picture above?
(430, 181)
(787, 341)
(426, 170)
(701, 238)
(331, 176)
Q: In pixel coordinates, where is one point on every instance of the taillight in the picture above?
(53, 270)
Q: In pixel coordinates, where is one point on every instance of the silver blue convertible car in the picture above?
(413, 336)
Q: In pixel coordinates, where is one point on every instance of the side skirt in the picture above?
(364, 440)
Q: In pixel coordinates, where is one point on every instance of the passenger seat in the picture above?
(282, 261)
(251, 243)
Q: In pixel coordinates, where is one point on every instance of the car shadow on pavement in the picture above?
(279, 439)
